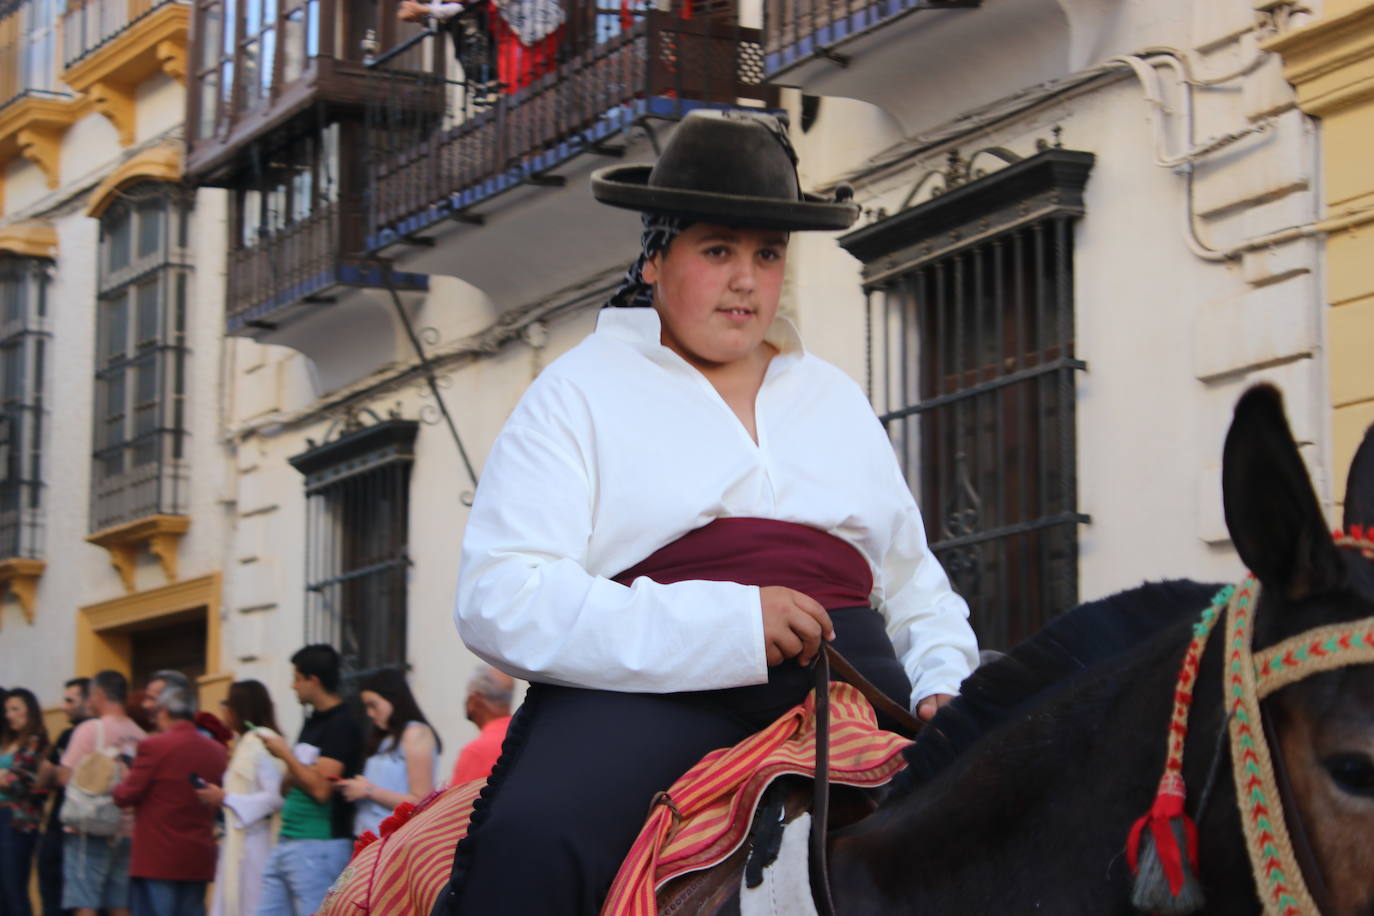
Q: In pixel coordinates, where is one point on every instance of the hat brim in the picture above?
(627, 186)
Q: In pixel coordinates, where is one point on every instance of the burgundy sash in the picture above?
(760, 551)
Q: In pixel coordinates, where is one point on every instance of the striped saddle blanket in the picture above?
(712, 805)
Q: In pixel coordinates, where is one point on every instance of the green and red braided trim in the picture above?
(1248, 679)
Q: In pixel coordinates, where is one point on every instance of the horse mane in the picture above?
(1075, 642)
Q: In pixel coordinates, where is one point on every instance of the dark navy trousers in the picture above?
(579, 770)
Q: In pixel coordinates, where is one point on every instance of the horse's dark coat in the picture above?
(1023, 805)
(1077, 641)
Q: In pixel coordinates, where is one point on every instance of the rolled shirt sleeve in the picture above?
(926, 620)
(527, 604)
(250, 808)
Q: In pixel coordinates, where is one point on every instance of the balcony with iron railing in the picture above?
(262, 69)
(297, 269)
(35, 108)
(448, 149)
(923, 62)
(802, 31)
(92, 25)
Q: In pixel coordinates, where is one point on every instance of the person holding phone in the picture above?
(251, 799)
(402, 752)
(173, 856)
(316, 836)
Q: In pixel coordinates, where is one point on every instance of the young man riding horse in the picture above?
(677, 515)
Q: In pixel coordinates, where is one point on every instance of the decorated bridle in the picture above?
(1248, 678)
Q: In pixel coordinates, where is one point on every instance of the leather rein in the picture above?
(824, 661)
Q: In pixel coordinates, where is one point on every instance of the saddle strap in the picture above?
(820, 801)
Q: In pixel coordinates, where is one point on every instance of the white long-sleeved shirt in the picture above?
(620, 447)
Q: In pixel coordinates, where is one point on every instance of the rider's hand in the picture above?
(793, 624)
(410, 11)
(927, 708)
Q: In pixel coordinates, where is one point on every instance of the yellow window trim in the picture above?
(103, 629)
(160, 163)
(30, 239)
(20, 576)
(32, 127)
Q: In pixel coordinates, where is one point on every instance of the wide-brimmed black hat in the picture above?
(730, 167)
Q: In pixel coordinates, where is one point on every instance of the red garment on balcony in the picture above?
(518, 64)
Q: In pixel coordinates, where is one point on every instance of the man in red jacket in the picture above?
(174, 842)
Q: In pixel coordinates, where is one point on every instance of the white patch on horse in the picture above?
(786, 887)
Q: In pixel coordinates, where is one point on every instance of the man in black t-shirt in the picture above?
(74, 695)
(316, 838)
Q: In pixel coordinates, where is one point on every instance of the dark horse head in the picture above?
(1325, 724)
(1022, 792)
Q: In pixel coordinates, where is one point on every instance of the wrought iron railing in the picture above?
(88, 24)
(287, 266)
(28, 41)
(357, 528)
(25, 341)
(159, 486)
(799, 29)
(980, 374)
(436, 146)
(301, 262)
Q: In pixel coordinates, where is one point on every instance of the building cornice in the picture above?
(29, 239)
(110, 75)
(20, 576)
(1330, 62)
(162, 534)
(32, 127)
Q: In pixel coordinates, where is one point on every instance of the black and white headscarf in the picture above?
(659, 231)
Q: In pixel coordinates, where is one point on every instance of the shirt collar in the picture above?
(641, 328)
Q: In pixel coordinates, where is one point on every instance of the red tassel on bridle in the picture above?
(1164, 861)
(1164, 815)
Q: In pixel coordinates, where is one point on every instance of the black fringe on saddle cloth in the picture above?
(1074, 642)
(516, 733)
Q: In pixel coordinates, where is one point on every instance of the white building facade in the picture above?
(1087, 229)
(114, 516)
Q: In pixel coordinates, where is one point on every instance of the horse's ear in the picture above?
(1272, 512)
(1359, 487)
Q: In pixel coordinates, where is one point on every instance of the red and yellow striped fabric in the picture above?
(402, 873)
(715, 800)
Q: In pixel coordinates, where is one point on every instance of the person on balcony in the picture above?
(678, 514)
(527, 34)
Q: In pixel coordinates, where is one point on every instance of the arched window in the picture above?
(140, 380)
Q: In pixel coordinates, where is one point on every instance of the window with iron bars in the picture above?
(141, 357)
(973, 373)
(24, 338)
(357, 528)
